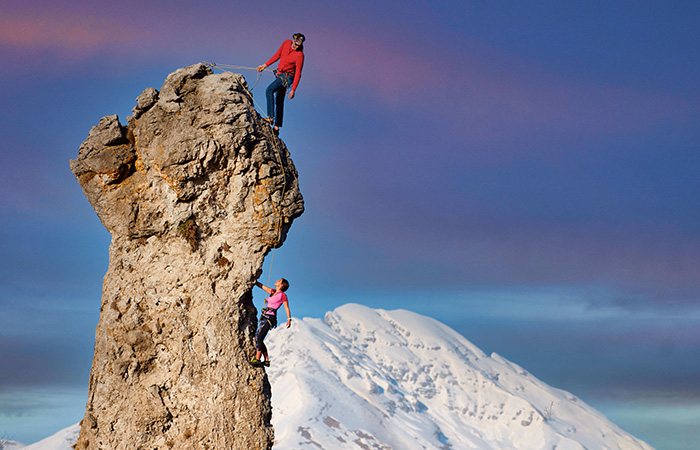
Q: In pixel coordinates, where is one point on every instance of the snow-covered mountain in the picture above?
(373, 379)
(370, 379)
(11, 445)
(63, 440)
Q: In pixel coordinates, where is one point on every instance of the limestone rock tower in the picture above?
(195, 190)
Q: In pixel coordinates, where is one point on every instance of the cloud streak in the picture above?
(74, 32)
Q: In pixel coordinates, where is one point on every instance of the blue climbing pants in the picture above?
(266, 322)
(275, 96)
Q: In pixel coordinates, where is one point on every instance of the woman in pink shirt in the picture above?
(288, 73)
(268, 318)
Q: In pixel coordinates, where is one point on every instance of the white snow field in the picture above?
(63, 440)
(373, 379)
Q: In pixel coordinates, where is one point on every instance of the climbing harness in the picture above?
(271, 138)
(286, 77)
(272, 320)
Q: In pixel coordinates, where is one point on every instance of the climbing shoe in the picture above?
(256, 363)
(266, 363)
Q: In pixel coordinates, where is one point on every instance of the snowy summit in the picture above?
(373, 379)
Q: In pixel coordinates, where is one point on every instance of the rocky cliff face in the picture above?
(195, 190)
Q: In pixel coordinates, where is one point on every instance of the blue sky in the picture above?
(527, 174)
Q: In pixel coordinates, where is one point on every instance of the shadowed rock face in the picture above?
(195, 191)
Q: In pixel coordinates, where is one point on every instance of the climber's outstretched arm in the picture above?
(264, 288)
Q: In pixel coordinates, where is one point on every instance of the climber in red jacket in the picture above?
(288, 73)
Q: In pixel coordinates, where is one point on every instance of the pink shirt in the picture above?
(275, 301)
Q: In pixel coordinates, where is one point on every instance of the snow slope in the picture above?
(373, 379)
(63, 440)
(370, 379)
(11, 445)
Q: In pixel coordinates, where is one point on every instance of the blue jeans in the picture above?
(275, 97)
(266, 322)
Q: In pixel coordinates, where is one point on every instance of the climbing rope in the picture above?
(275, 142)
(225, 67)
(231, 66)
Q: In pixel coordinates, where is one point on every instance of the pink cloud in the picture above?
(496, 97)
(63, 30)
(387, 67)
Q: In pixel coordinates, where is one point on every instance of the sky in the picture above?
(525, 172)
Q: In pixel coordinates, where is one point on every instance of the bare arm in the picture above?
(289, 314)
(264, 288)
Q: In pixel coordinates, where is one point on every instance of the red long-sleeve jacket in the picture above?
(290, 61)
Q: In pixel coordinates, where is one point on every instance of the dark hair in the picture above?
(285, 285)
(301, 37)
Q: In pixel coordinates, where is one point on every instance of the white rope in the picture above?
(224, 67)
(231, 66)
